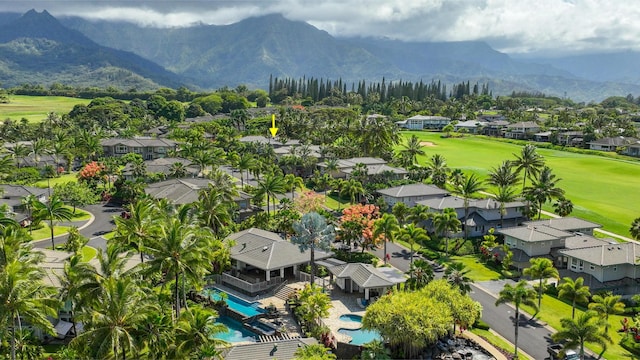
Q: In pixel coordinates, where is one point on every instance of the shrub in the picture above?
(355, 257)
(24, 175)
(629, 344)
(479, 324)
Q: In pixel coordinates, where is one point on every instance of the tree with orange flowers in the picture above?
(357, 224)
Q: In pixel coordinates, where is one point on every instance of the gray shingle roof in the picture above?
(138, 142)
(583, 241)
(368, 276)
(606, 255)
(349, 163)
(182, 191)
(412, 190)
(534, 233)
(268, 251)
(281, 350)
(456, 202)
(20, 191)
(565, 224)
(378, 169)
(615, 141)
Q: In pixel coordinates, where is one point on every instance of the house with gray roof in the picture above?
(12, 195)
(522, 130)
(280, 349)
(149, 148)
(632, 149)
(366, 278)
(421, 122)
(612, 143)
(375, 167)
(162, 166)
(534, 240)
(262, 259)
(410, 194)
(569, 224)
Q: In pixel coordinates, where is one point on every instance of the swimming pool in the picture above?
(359, 336)
(236, 331)
(351, 318)
(235, 303)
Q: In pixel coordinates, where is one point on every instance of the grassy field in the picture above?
(603, 190)
(65, 178)
(36, 108)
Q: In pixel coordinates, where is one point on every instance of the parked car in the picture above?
(555, 352)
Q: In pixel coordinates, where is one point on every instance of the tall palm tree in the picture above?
(7, 165)
(246, 162)
(471, 185)
(271, 185)
(202, 158)
(438, 170)
(19, 151)
(292, 182)
(503, 175)
(588, 327)
(605, 305)
(413, 235)
(177, 170)
(52, 210)
(313, 232)
(73, 282)
(400, 210)
(29, 203)
(139, 228)
(420, 274)
(574, 290)
(634, 230)
(541, 269)
(412, 149)
(216, 207)
(446, 223)
(386, 227)
(456, 275)
(504, 194)
(196, 329)
(39, 147)
(563, 207)
(418, 214)
(528, 161)
(352, 188)
(544, 188)
(518, 295)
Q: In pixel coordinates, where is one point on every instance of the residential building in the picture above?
(12, 196)
(148, 148)
(410, 194)
(422, 122)
(375, 166)
(495, 127)
(633, 150)
(366, 278)
(470, 126)
(570, 138)
(522, 130)
(162, 166)
(534, 240)
(283, 349)
(569, 224)
(612, 143)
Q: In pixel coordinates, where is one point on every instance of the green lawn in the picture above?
(497, 341)
(552, 310)
(65, 178)
(603, 190)
(44, 232)
(36, 108)
(335, 203)
(478, 271)
(88, 253)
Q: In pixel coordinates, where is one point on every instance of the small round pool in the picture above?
(351, 318)
(361, 337)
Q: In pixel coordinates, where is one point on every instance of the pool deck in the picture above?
(343, 303)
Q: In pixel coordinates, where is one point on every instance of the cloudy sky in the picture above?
(512, 26)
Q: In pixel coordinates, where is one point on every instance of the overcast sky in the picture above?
(511, 26)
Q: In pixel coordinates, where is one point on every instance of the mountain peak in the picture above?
(42, 25)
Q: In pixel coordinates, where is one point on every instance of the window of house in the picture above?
(121, 149)
(160, 150)
(137, 150)
(591, 267)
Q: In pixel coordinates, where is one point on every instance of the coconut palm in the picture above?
(605, 305)
(7, 165)
(504, 194)
(352, 188)
(386, 227)
(503, 175)
(313, 232)
(246, 162)
(19, 151)
(541, 269)
(588, 327)
(271, 185)
(412, 234)
(471, 185)
(216, 207)
(412, 149)
(418, 214)
(73, 279)
(29, 203)
(543, 189)
(456, 275)
(52, 210)
(635, 229)
(563, 207)
(446, 223)
(139, 227)
(529, 162)
(400, 210)
(178, 170)
(292, 182)
(438, 170)
(420, 274)
(518, 295)
(196, 329)
(575, 291)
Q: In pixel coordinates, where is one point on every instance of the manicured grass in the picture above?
(44, 232)
(88, 253)
(36, 108)
(335, 203)
(477, 270)
(603, 190)
(65, 178)
(552, 310)
(80, 215)
(497, 341)
(109, 235)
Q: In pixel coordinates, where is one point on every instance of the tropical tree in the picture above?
(19, 152)
(412, 149)
(438, 170)
(504, 194)
(29, 203)
(386, 227)
(314, 304)
(139, 228)
(400, 210)
(588, 327)
(563, 207)
(456, 275)
(195, 331)
(178, 170)
(313, 232)
(635, 229)
(72, 285)
(270, 186)
(292, 182)
(471, 185)
(605, 305)
(503, 175)
(420, 274)
(375, 350)
(216, 207)
(412, 234)
(313, 352)
(418, 214)
(541, 269)
(575, 291)
(39, 147)
(529, 162)
(352, 188)
(446, 223)
(543, 189)
(52, 210)
(518, 295)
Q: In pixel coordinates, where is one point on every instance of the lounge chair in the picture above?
(362, 303)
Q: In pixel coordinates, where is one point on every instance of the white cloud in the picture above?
(513, 26)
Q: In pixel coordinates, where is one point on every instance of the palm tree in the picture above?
(635, 229)
(313, 352)
(563, 207)
(456, 275)
(503, 175)
(504, 194)
(29, 203)
(39, 147)
(73, 281)
(196, 329)
(412, 149)
(271, 185)
(528, 161)
(400, 210)
(541, 269)
(588, 327)
(6, 166)
(438, 170)
(574, 290)
(216, 207)
(246, 162)
(312, 231)
(53, 210)
(518, 295)
(446, 223)
(418, 214)
(420, 274)
(114, 316)
(292, 182)
(386, 227)
(352, 188)
(605, 305)
(471, 185)
(178, 170)
(412, 234)
(140, 227)
(202, 158)
(19, 151)
(544, 188)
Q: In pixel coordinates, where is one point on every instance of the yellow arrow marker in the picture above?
(273, 128)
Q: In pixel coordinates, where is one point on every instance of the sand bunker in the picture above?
(427, 143)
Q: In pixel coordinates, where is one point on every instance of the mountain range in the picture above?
(36, 47)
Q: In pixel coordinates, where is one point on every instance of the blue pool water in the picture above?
(361, 337)
(351, 318)
(236, 332)
(243, 307)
